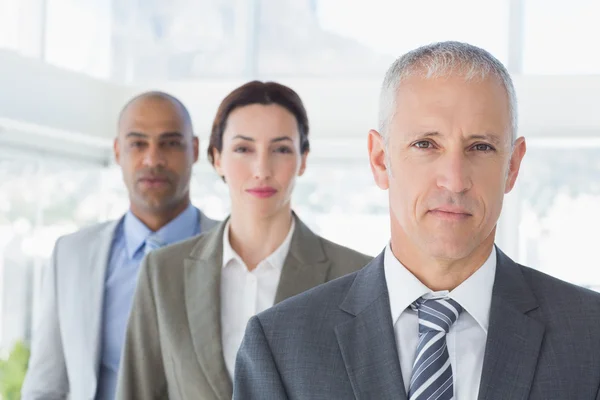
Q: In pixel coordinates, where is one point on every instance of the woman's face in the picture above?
(260, 159)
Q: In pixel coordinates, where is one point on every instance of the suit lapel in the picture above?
(203, 305)
(305, 266)
(514, 338)
(93, 284)
(367, 341)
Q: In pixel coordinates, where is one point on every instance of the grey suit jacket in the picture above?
(173, 347)
(65, 354)
(337, 342)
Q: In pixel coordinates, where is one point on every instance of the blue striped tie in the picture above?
(432, 373)
(153, 241)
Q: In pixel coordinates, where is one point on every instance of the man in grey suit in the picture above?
(88, 287)
(441, 313)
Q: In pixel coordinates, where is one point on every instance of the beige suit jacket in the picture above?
(173, 345)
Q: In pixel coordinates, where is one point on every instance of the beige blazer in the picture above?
(173, 344)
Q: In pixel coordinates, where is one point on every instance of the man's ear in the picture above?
(519, 150)
(377, 159)
(117, 151)
(196, 147)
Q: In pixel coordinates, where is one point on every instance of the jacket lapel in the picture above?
(203, 305)
(99, 255)
(514, 338)
(305, 266)
(367, 341)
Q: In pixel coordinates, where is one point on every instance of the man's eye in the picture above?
(483, 147)
(424, 144)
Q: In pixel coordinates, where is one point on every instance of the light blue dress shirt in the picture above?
(127, 252)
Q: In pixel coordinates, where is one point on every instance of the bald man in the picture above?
(89, 286)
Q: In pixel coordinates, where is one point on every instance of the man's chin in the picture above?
(158, 205)
(451, 249)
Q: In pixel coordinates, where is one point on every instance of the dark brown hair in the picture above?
(257, 92)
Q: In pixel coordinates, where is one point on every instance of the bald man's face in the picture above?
(156, 150)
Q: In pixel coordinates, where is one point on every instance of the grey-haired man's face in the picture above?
(450, 163)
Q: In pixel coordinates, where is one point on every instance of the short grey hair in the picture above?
(441, 59)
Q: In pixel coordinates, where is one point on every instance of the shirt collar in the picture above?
(403, 287)
(275, 259)
(181, 227)
(474, 294)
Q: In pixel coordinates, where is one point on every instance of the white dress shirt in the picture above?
(467, 337)
(246, 293)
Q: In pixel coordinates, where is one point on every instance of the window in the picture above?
(561, 37)
(358, 37)
(78, 36)
(275, 39)
(40, 200)
(22, 26)
(559, 193)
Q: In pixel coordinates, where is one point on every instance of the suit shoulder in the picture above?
(174, 256)
(184, 247)
(549, 288)
(344, 254)
(208, 223)
(88, 235)
(318, 300)
(177, 252)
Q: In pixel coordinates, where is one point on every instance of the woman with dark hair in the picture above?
(194, 299)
